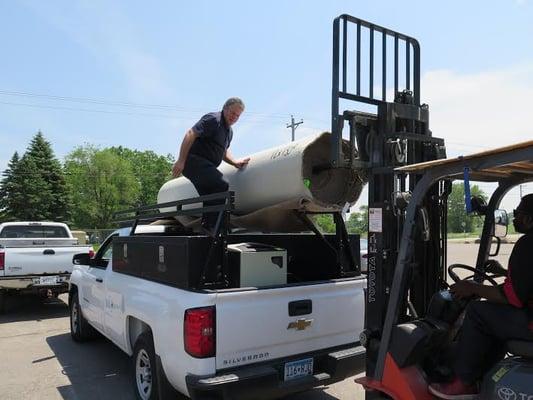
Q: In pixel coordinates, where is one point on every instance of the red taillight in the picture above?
(2, 260)
(199, 332)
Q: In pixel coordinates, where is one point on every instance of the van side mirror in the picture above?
(501, 220)
(81, 259)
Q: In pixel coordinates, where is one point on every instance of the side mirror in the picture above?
(81, 259)
(500, 223)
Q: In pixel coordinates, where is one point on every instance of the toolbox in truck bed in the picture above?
(182, 261)
(172, 260)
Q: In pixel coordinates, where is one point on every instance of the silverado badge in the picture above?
(300, 325)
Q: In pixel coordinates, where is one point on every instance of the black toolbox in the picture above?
(172, 260)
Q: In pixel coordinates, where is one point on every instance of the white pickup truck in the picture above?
(239, 342)
(36, 257)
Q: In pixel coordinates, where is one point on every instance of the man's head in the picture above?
(232, 110)
(523, 215)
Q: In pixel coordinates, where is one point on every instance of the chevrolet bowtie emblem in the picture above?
(300, 325)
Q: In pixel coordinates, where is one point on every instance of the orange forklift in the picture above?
(411, 320)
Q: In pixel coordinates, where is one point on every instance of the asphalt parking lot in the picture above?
(40, 361)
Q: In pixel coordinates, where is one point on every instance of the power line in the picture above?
(127, 104)
(256, 119)
(88, 110)
(120, 103)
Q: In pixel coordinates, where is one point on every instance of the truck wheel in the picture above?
(144, 368)
(80, 329)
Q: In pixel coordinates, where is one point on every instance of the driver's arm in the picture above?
(465, 289)
(494, 294)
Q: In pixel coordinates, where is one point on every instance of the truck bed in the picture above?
(280, 322)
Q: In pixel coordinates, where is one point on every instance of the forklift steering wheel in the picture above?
(456, 278)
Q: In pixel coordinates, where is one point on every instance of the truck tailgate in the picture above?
(40, 260)
(255, 325)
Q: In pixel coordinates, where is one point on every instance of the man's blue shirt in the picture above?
(214, 137)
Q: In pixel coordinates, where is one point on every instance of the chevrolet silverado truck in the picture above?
(36, 257)
(283, 320)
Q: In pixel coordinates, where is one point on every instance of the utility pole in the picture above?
(293, 125)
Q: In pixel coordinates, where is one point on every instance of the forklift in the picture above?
(411, 320)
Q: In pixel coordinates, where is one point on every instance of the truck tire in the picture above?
(80, 329)
(144, 368)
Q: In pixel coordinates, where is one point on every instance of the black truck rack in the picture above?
(189, 260)
(182, 248)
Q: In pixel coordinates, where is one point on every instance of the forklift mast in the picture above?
(376, 72)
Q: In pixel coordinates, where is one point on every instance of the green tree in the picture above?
(100, 183)
(458, 220)
(34, 186)
(10, 189)
(151, 170)
(47, 175)
(358, 221)
(324, 222)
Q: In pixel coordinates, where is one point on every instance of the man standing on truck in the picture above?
(204, 147)
(506, 315)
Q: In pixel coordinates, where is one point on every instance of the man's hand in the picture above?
(463, 289)
(242, 163)
(494, 267)
(177, 169)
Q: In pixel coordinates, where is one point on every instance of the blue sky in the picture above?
(139, 74)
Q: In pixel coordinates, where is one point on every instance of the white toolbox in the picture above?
(257, 264)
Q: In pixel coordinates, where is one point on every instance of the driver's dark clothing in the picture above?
(518, 286)
(487, 326)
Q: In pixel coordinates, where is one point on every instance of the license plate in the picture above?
(48, 280)
(297, 369)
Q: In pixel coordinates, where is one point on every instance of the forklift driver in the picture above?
(506, 314)
(204, 147)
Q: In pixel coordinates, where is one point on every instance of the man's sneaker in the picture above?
(455, 390)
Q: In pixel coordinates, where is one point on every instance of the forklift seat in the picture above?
(522, 348)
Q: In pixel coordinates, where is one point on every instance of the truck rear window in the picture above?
(33, 232)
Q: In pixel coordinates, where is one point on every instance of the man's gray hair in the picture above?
(231, 101)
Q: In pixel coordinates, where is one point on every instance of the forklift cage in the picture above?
(509, 166)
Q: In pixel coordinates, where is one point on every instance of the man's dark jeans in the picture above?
(486, 328)
(207, 179)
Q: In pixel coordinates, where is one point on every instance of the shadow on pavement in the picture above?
(96, 369)
(32, 308)
(315, 394)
